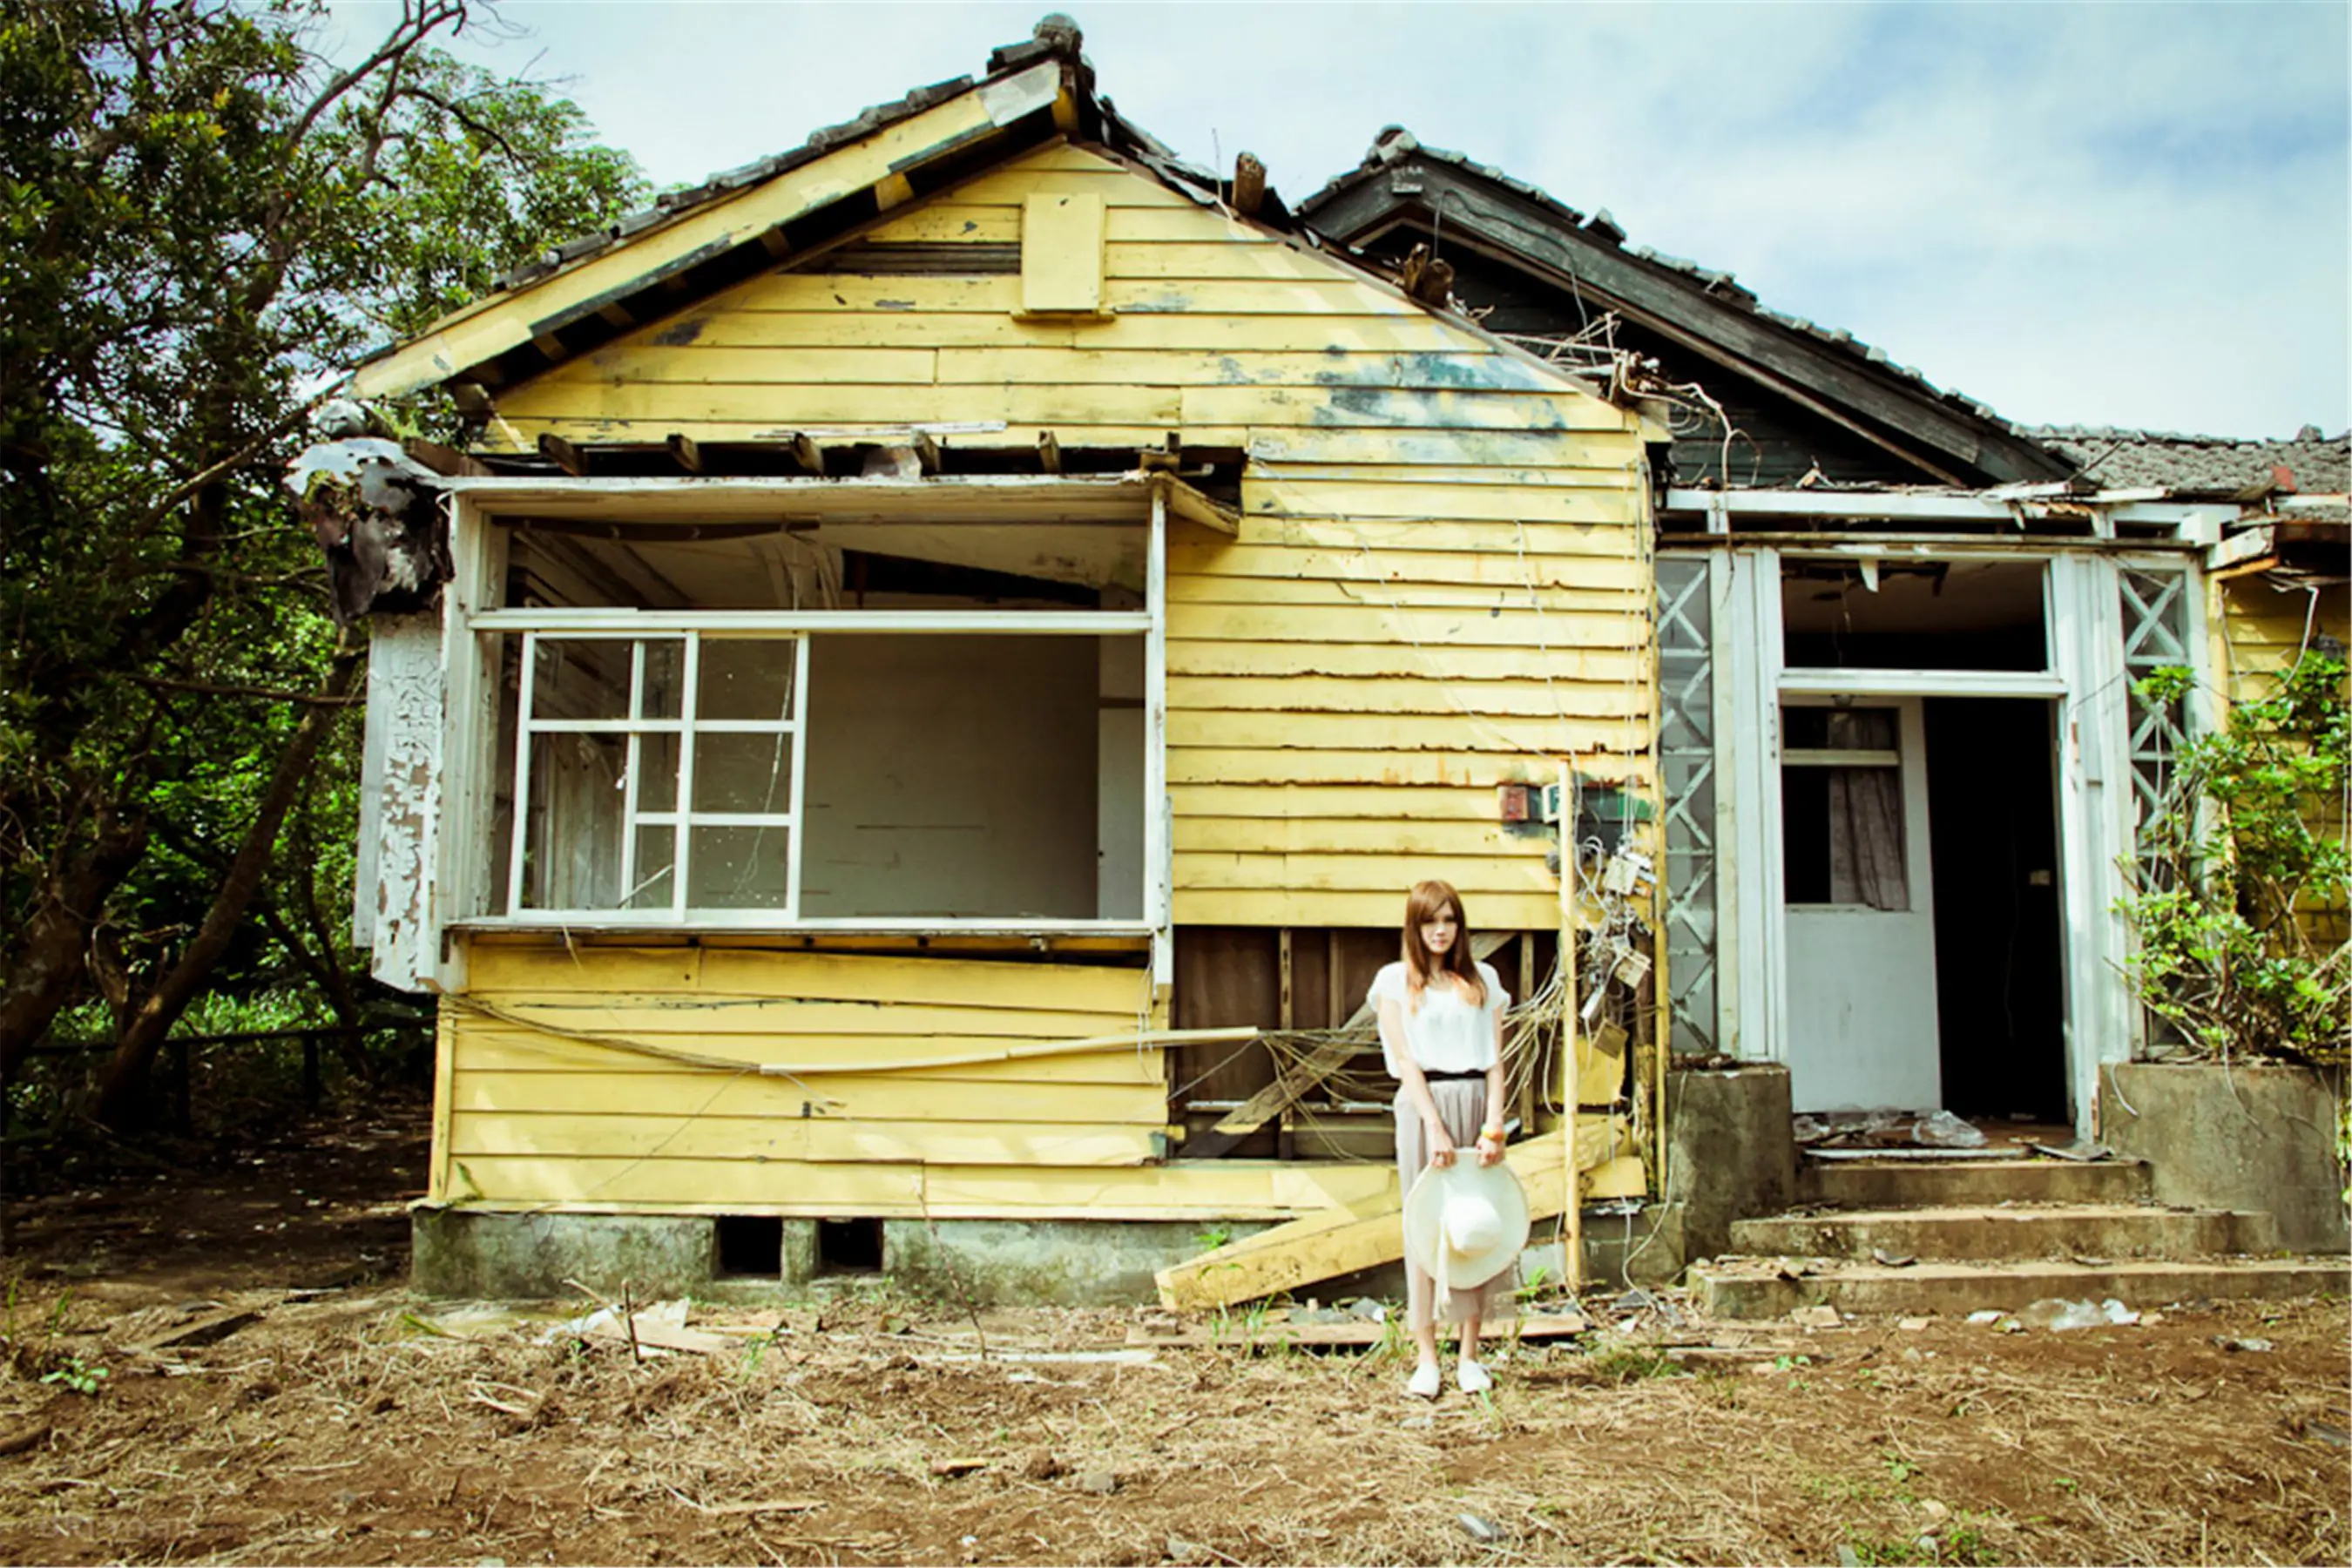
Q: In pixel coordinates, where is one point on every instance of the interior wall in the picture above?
(1119, 756)
(950, 776)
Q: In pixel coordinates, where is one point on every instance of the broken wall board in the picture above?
(1290, 1257)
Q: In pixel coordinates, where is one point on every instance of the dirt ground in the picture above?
(349, 1422)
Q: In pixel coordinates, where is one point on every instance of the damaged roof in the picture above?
(1709, 302)
(2308, 462)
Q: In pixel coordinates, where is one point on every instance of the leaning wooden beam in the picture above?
(926, 452)
(1305, 1073)
(1049, 451)
(564, 455)
(808, 454)
(686, 452)
(1339, 1241)
(1249, 184)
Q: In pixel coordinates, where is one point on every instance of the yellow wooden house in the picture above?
(958, 640)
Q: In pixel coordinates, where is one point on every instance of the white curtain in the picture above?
(1866, 815)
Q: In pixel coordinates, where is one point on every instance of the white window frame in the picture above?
(472, 623)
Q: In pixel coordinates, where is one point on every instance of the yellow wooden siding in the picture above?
(569, 1070)
(1441, 579)
(2262, 631)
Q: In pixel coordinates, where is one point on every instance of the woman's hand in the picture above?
(1441, 1142)
(1490, 1145)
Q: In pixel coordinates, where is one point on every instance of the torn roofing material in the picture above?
(2220, 465)
(1402, 175)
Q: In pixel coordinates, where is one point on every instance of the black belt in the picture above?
(1476, 1076)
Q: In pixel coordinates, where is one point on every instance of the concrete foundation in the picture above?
(2252, 1137)
(536, 1257)
(1065, 1263)
(1730, 1151)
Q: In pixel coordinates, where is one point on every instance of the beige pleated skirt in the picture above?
(1461, 1106)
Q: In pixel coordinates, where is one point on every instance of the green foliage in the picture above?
(77, 1375)
(202, 220)
(2250, 846)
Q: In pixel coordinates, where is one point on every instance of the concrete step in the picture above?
(1760, 1288)
(2020, 1232)
(1884, 1183)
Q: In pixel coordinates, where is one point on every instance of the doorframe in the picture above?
(2085, 682)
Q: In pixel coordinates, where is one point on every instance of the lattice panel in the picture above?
(1686, 761)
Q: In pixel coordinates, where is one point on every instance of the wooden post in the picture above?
(1286, 1016)
(1571, 1213)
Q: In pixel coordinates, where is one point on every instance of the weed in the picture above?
(77, 1375)
(1791, 1362)
(1533, 1287)
(1630, 1364)
(2065, 1484)
(1211, 1238)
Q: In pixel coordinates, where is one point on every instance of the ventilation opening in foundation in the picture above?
(848, 1246)
(751, 1247)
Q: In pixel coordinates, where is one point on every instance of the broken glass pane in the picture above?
(740, 868)
(581, 677)
(743, 773)
(746, 677)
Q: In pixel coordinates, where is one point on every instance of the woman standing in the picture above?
(1441, 1017)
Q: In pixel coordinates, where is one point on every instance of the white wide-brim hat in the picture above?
(1465, 1223)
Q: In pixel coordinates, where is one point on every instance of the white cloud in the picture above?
(2126, 215)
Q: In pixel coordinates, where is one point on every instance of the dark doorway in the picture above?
(1993, 838)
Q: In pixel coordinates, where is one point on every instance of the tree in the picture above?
(199, 215)
(2242, 869)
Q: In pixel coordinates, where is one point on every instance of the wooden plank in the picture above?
(756, 1140)
(1409, 409)
(1455, 734)
(1245, 907)
(1388, 874)
(833, 1097)
(1212, 764)
(1607, 562)
(682, 407)
(1209, 588)
(1117, 188)
(1015, 439)
(1402, 659)
(1220, 256)
(751, 971)
(1328, 803)
(1334, 366)
(1373, 540)
(1434, 629)
(1297, 1255)
(1621, 503)
(1224, 1189)
(1491, 699)
(678, 1020)
(700, 364)
(1279, 1332)
(486, 1046)
(1512, 447)
(1368, 836)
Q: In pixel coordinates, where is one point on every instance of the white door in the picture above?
(1860, 913)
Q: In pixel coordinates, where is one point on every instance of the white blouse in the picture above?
(1445, 1034)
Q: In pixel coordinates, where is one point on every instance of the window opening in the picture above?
(848, 1246)
(1927, 615)
(1841, 807)
(751, 1245)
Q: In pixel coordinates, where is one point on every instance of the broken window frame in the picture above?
(474, 620)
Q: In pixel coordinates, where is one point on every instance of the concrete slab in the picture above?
(1986, 1233)
(2244, 1136)
(1730, 1150)
(535, 1257)
(1758, 1288)
(1916, 1183)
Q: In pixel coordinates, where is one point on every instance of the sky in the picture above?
(2126, 215)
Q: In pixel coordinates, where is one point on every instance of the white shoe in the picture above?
(1425, 1382)
(1472, 1378)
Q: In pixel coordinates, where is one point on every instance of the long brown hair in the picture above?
(1425, 903)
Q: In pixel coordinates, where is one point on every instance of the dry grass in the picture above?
(347, 1429)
